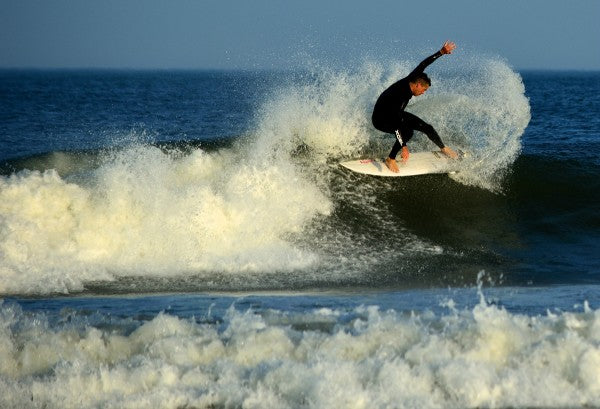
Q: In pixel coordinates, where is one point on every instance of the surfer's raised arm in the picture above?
(447, 48)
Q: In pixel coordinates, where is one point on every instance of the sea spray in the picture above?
(483, 110)
(478, 105)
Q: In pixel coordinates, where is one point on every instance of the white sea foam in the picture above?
(145, 212)
(365, 358)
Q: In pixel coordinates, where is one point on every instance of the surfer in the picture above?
(389, 115)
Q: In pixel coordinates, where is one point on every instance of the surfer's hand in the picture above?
(449, 152)
(404, 154)
(448, 47)
(392, 165)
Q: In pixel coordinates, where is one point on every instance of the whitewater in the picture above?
(274, 352)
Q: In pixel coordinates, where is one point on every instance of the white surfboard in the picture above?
(419, 163)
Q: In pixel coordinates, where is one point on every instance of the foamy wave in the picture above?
(145, 212)
(366, 358)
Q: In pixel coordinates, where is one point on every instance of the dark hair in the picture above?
(422, 78)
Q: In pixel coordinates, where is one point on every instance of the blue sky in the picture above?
(234, 34)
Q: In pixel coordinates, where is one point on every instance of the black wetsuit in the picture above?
(389, 115)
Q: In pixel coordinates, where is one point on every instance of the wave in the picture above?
(271, 209)
(364, 356)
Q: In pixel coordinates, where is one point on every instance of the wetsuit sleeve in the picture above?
(424, 64)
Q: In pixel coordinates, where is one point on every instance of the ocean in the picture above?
(187, 239)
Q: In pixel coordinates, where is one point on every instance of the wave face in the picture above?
(271, 209)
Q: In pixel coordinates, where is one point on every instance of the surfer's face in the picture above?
(418, 89)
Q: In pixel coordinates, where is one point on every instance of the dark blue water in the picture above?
(196, 225)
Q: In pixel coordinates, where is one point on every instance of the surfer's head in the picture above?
(420, 84)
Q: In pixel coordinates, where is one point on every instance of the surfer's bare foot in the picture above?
(449, 152)
(392, 165)
(404, 154)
